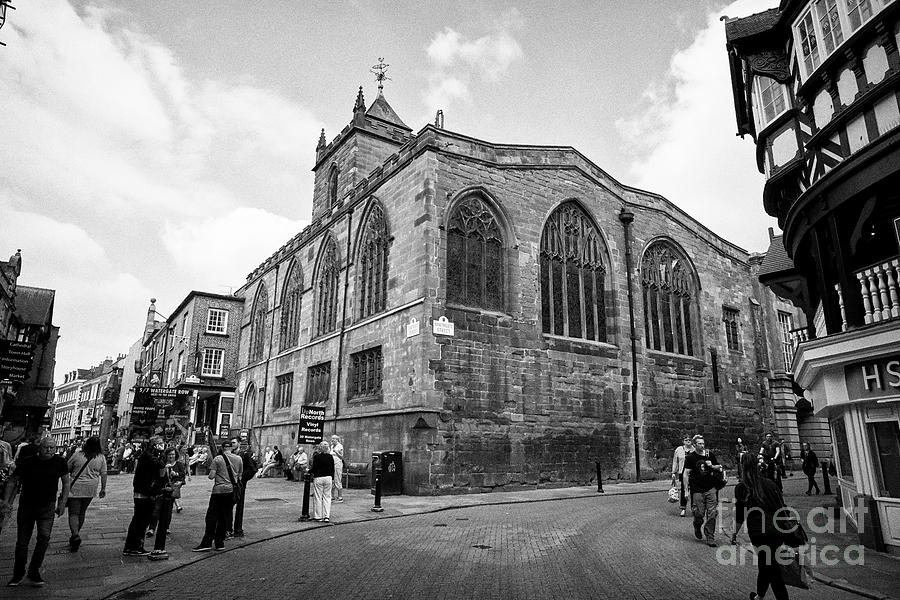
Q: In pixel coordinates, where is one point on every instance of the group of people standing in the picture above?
(758, 501)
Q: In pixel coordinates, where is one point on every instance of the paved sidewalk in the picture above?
(272, 509)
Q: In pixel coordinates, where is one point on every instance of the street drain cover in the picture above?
(482, 547)
(270, 499)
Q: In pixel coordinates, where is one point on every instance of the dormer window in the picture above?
(769, 100)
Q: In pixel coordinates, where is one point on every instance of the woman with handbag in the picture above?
(175, 475)
(758, 501)
(87, 467)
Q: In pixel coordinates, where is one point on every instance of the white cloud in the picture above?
(457, 61)
(124, 178)
(677, 138)
(221, 251)
(98, 308)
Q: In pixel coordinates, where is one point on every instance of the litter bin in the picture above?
(391, 472)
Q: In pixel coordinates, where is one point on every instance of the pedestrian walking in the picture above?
(175, 476)
(148, 482)
(703, 472)
(337, 451)
(678, 458)
(223, 471)
(249, 466)
(39, 477)
(322, 472)
(6, 464)
(87, 468)
(757, 500)
(770, 451)
(810, 466)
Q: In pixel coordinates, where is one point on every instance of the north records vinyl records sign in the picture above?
(312, 425)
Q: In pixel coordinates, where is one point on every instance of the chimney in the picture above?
(151, 320)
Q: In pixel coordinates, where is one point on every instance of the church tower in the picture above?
(372, 136)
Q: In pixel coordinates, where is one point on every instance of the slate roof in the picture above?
(736, 29)
(34, 306)
(776, 260)
(380, 109)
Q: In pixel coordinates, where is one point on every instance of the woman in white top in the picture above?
(678, 459)
(87, 468)
(337, 451)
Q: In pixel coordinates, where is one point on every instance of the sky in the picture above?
(153, 147)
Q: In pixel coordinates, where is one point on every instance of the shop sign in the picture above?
(312, 425)
(873, 379)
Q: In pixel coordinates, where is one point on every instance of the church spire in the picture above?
(322, 141)
(359, 109)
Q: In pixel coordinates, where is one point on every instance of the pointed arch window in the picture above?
(258, 323)
(669, 290)
(291, 300)
(573, 275)
(333, 186)
(475, 269)
(373, 265)
(327, 287)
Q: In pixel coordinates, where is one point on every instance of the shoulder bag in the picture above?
(235, 490)
(80, 471)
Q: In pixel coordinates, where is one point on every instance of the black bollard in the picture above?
(377, 507)
(825, 466)
(599, 479)
(304, 516)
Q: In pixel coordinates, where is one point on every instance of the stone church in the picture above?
(468, 303)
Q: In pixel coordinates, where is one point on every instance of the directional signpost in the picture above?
(15, 360)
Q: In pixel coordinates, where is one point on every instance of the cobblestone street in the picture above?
(556, 543)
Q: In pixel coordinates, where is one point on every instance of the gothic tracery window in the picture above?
(327, 288)
(291, 300)
(669, 292)
(573, 275)
(475, 269)
(258, 323)
(373, 268)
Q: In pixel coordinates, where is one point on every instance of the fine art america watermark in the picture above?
(818, 521)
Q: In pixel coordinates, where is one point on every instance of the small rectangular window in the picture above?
(365, 373)
(807, 44)
(829, 24)
(785, 325)
(858, 12)
(212, 362)
(842, 447)
(731, 318)
(217, 321)
(284, 388)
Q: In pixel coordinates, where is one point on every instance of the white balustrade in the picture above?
(879, 290)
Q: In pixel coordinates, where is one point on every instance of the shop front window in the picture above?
(839, 430)
(885, 440)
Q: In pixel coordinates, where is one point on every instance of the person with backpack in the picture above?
(758, 503)
(87, 467)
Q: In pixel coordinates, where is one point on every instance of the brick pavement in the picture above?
(273, 506)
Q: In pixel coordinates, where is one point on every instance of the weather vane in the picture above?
(380, 75)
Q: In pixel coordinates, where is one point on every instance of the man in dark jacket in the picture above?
(39, 476)
(702, 472)
(248, 472)
(149, 479)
